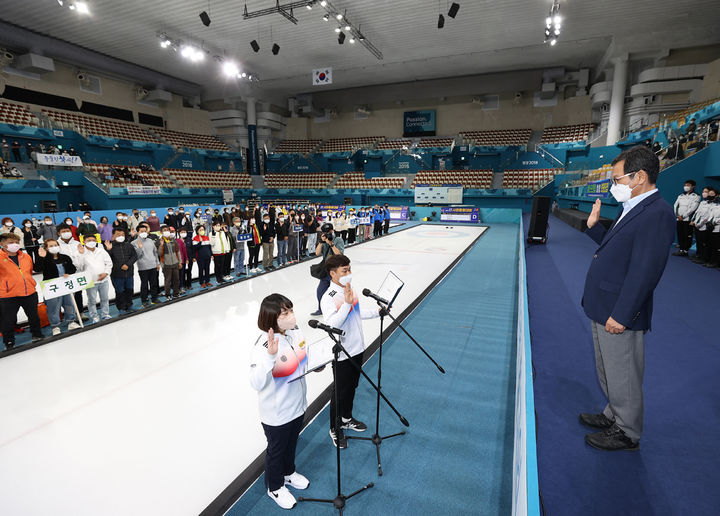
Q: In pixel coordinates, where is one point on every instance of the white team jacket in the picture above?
(339, 314)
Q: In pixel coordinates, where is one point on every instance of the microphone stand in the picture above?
(376, 438)
(339, 500)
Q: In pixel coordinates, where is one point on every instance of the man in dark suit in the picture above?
(618, 296)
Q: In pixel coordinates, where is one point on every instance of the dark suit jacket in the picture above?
(628, 265)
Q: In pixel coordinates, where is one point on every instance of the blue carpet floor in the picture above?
(676, 469)
(457, 455)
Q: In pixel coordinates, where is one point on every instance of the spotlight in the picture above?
(243, 75)
(326, 17)
(230, 69)
(61, 2)
(557, 31)
(557, 19)
(71, 7)
(352, 39)
(553, 42)
(454, 8)
(548, 21)
(186, 51)
(441, 21)
(82, 7)
(339, 16)
(275, 49)
(165, 43)
(337, 29)
(323, 3)
(309, 6)
(341, 38)
(255, 46)
(347, 28)
(205, 18)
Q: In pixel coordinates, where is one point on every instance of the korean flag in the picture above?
(322, 76)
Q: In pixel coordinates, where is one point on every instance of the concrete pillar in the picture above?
(617, 100)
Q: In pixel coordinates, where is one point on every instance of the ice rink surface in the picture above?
(154, 414)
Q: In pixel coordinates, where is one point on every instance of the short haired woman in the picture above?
(53, 265)
(279, 356)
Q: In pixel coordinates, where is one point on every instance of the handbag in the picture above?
(318, 270)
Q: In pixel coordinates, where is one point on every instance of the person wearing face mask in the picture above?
(30, 239)
(153, 222)
(53, 264)
(69, 246)
(148, 264)
(208, 220)
(303, 234)
(133, 221)
(186, 250)
(282, 233)
(184, 222)
(685, 206)
(198, 219)
(714, 223)
(105, 229)
(202, 253)
(8, 226)
(119, 223)
(386, 219)
(47, 229)
(311, 229)
(370, 222)
(293, 247)
(267, 235)
(330, 244)
(618, 294)
(17, 290)
(123, 255)
(280, 355)
(68, 222)
(352, 227)
(699, 223)
(238, 230)
(94, 259)
(86, 226)
(342, 309)
(254, 245)
(170, 219)
(171, 260)
(221, 243)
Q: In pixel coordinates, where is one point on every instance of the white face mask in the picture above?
(281, 220)
(704, 195)
(287, 323)
(68, 222)
(687, 188)
(622, 193)
(54, 249)
(345, 279)
(48, 222)
(166, 234)
(120, 239)
(142, 235)
(66, 236)
(27, 225)
(13, 248)
(183, 235)
(9, 224)
(90, 245)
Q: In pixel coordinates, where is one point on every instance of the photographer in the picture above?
(330, 244)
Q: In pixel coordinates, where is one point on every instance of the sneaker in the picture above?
(339, 441)
(228, 278)
(11, 345)
(596, 420)
(94, 320)
(35, 338)
(680, 253)
(297, 481)
(283, 497)
(105, 318)
(56, 331)
(169, 298)
(316, 313)
(182, 291)
(73, 326)
(354, 424)
(612, 439)
(155, 301)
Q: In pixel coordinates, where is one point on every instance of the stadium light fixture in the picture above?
(338, 29)
(309, 6)
(230, 69)
(326, 17)
(323, 3)
(82, 7)
(553, 24)
(347, 28)
(352, 40)
(339, 16)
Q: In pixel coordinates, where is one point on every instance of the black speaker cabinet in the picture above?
(537, 232)
(48, 206)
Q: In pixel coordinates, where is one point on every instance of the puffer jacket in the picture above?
(16, 280)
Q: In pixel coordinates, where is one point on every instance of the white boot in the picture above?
(283, 497)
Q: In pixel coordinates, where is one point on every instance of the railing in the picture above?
(545, 153)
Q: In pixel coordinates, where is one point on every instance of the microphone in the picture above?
(314, 323)
(366, 292)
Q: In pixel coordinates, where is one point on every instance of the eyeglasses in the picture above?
(614, 179)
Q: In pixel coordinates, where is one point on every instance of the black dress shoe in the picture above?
(596, 420)
(612, 439)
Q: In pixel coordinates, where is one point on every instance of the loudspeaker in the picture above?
(205, 18)
(275, 49)
(539, 219)
(454, 8)
(254, 45)
(48, 206)
(441, 21)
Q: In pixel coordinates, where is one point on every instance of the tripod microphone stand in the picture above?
(376, 438)
(339, 500)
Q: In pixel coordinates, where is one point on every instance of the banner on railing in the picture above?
(143, 190)
(598, 188)
(331, 207)
(61, 286)
(59, 160)
(399, 213)
(460, 214)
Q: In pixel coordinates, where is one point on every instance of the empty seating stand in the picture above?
(394, 144)
(16, 114)
(481, 179)
(350, 144)
(438, 143)
(191, 140)
(299, 181)
(296, 146)
(211, 178)
(503, 137)
(151, 176)
(532, 179)
(357, 180)
(101, 126)
(566, 133)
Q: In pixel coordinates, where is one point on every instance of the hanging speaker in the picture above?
(275, 49)
(441, 21)
(205, 18)
(454, 8)
(341, 38)
(254, 45)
